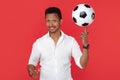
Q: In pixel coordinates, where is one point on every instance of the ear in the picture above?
(61, 21)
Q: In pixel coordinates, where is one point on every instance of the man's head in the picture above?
(53, 10)
(53, 19)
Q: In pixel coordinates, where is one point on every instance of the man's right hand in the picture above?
(32, 71)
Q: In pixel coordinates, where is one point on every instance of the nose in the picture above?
(50, 23)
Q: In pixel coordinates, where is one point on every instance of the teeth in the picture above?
(51, 28)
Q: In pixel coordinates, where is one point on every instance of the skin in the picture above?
(85, 55)
(53, 23)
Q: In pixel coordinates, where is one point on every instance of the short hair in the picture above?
(53, 10)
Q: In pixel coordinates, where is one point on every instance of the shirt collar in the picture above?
(62, 34)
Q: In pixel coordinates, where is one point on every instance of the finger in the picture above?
(85, 30)
(35, 74)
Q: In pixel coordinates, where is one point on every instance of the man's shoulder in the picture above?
(41, 39)
(69, 37)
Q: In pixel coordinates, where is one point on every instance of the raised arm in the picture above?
(85, 56)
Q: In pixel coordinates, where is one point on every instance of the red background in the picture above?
(22, 22)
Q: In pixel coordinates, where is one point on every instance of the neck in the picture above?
(55, 35)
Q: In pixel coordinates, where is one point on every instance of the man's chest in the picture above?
(61, 51)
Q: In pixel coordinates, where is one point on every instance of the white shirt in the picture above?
(55, 61)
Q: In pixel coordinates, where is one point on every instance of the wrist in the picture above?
(86, 46)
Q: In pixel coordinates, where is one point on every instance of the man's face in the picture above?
(53, 22)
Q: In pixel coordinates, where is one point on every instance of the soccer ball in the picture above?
(83, 15)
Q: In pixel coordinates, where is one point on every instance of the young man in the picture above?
(55, 49)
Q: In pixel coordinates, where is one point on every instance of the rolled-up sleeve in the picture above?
(35, 54)
(76, 53)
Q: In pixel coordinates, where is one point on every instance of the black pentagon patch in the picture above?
(85, 24)
(74, 19)
(83, 14)
(75, 8)
(87, 6)
(93, 15)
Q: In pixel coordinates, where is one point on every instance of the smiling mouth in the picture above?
(51, 28)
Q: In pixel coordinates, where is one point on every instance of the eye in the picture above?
(47, 20)
(54, 20)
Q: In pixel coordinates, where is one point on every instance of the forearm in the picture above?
(84, 58)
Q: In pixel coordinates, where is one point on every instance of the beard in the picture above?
(53, 29)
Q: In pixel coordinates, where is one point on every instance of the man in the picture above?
(55, 49)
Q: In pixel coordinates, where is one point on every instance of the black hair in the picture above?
(53, 10)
